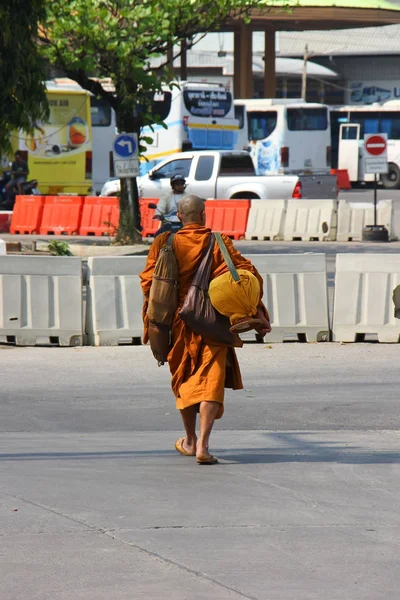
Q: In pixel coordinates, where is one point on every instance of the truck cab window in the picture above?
(204, 168)
(236, 165)
(181, 166)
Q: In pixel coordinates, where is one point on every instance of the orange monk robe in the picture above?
(199, 371)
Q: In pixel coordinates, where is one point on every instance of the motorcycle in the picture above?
(29, 188)
(167, 224)
(6, 177)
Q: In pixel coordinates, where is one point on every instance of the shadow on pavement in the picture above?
(284, 448)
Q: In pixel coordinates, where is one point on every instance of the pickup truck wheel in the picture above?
(391, 179)
(245, 196)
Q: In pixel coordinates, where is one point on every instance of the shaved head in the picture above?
(192, 210)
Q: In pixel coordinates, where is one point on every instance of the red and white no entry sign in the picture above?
(375, 145)
(375, 153)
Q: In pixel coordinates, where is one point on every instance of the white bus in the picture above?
(199, 116)
(349, 124)
(286, 135)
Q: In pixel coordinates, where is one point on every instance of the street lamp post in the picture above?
(304, 75)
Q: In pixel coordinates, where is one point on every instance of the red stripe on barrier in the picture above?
(342, 178)
(149, 225)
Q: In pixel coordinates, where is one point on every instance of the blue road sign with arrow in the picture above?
(125, 146)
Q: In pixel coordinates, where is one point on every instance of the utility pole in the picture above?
(304, 77)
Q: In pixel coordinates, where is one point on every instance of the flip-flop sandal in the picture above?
(246, 325)
(211, 460)
(179, 447)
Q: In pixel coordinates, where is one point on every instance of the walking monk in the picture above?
(200, 371)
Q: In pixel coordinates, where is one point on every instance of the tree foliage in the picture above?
(22, 73)
(94, 39)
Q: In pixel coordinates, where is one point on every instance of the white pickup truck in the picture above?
(221, 175)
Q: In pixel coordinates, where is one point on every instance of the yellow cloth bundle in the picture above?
(235, 299)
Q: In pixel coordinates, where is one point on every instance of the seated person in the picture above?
(168, 203)
(19, 173)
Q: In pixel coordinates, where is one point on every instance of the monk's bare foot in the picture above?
(184, 447)
(206, 458)
(202, 452)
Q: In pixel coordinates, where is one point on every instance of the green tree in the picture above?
(90, 39)
(22, 90)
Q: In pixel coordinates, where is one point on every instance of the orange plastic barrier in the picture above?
(228, 216)
(5, 221)
(342, 178)
(27, 214)
(100, 216)
(61, 214)
(149, 225)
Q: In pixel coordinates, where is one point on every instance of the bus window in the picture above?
(204, 168)
(371, 125)
(239, 115)
(261, 124)
(349, 133)
(390, 124)
(181, 166)
(367, 120)
(307, 119)
(100, 112)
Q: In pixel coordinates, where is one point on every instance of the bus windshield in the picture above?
(307, 119)
(100, 112)
(261, 124)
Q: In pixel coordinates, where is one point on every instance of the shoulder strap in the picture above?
(202, 277)
(170, 240)
(227, 257)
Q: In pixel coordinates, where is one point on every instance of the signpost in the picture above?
(126, 155)
(375, 161)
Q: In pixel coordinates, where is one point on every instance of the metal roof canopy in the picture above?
(298, 15)
(322, 14)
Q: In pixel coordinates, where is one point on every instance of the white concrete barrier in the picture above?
(266, 220)
(363, 297)
(114, 300)
(40, 300)
(395, 232)
(3, 248)
(296, 295)
(309, 220)
(354, 216)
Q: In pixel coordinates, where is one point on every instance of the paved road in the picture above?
(366, 194)
(96, 504)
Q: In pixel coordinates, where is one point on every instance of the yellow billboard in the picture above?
(60, 151)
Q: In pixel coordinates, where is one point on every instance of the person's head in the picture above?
(192, 209)
(178, 183)
(18, 156)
